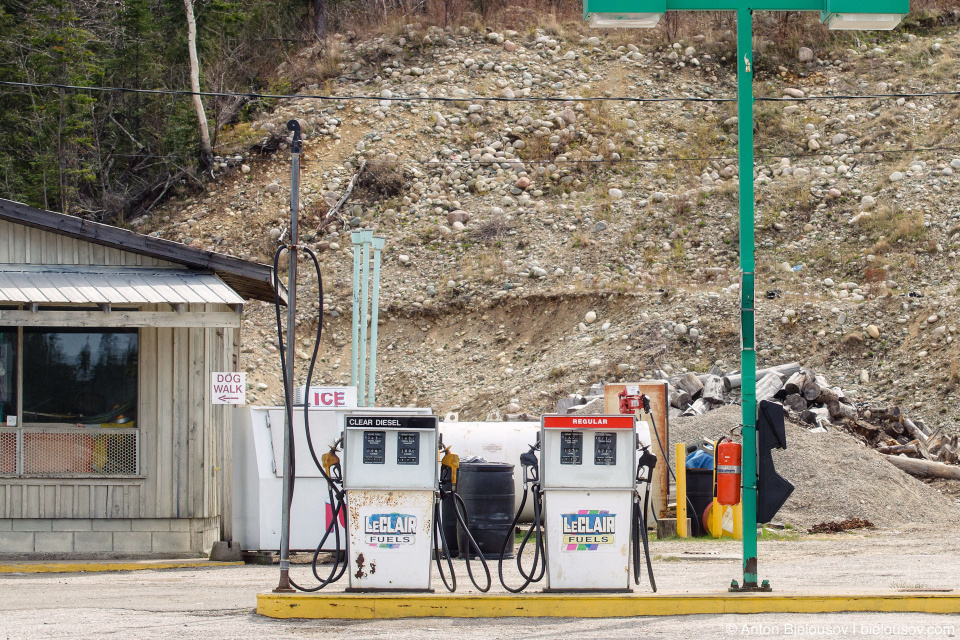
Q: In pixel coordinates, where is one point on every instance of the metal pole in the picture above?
(748, 354)
(375, 316)
(354, 346)
(367, 236)
(295, 150)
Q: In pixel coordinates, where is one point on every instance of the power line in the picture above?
(556, 161)
(931, 94)
(279, 96)
(419, 98)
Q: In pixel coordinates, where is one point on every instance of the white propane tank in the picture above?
(494, 442)
(497, 441)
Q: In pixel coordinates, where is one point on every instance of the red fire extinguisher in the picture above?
(728, 459)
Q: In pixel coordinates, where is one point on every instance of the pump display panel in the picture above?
(595, 451)
(408, 447)
(572, 443)
(390, 451)
(373, 447)
(605, 449)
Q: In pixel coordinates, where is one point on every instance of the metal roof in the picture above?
(249, 279)
(112, 285)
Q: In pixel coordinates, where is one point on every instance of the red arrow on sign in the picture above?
(225, 398)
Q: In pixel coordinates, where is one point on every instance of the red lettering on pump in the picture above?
(325, 398)
(338, 399)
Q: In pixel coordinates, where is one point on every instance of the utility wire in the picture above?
(279, 96)
(499, 161)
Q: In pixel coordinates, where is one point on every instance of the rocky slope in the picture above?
(534, 247)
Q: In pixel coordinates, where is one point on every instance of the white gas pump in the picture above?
(588, 474)
(588, 519)
(390, 477)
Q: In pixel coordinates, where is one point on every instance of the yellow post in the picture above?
(716, 519)
(738, 521)
(681, 457)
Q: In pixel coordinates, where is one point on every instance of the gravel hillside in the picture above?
(535, 247)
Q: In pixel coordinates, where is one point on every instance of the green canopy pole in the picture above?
(748, 354)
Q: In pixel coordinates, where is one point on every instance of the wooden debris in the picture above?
(925, 468)
(734, 381)
(713, 390)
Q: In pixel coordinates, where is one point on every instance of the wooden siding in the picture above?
(25, 245)
(183, 439)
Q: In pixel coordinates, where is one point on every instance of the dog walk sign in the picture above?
(228, 387)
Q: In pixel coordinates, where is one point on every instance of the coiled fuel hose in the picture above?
(334, 477)
(531, 484)
(460, 511)
(647, 463)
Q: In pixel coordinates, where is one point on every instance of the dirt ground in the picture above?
(219, 603)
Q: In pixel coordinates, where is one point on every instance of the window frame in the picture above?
(22, 431)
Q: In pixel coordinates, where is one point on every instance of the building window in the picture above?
(8, 400)
(78, 404)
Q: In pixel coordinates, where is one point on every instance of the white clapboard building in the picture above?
(110, 441)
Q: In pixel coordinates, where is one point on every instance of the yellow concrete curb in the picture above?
(92, 566)
(383, 605)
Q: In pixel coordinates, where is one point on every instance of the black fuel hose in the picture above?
(334, 484)
(438, 536)
(536, 529)
(460, 510)
(640, 535)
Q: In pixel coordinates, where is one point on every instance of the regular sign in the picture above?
(229, 387)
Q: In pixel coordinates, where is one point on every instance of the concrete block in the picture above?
(16, 542)
(71, 524)
(111, 524)
(92, 541)
(171, 541)
(6, 524)
(132, 542)
(53, 542)
(226, 552)
(666, 528)
(32, 524)
(150, 524)
(183, 524)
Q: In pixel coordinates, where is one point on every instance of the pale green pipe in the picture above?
(375, 315)
(367, 236)
(355, 237)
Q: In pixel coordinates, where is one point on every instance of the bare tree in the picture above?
(206, 151)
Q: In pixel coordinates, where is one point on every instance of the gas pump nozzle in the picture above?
(648, 461)
(452, 462)
(331, 460)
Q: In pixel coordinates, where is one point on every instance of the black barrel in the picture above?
(700, 495)
(449, 519)
(488, 494)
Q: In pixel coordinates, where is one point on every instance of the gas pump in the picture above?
(390, 478)
(588, 522)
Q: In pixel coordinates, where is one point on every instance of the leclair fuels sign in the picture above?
(390, 530)
(588, 422)
(588, 530)
(228, 387)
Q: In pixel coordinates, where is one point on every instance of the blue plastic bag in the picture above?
(699, 460)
